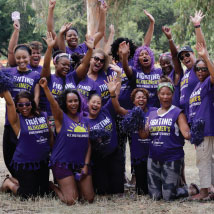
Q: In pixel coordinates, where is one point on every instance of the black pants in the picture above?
(141, 178)
(9, 147)
(33, 182)
(108, 173)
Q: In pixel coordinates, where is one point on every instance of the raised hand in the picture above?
(116, 68)
(65, 28)
(112, 84)
(103, 6)
(167, 32)
(197, 18)
(124, 47)
(52, 4)
(43, 82)
(111, 28)
(49, 39)
(202, 52)
(16, 25)
(89, 42)
(151, 18)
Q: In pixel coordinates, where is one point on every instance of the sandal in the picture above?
(195, 187)
(2, 188)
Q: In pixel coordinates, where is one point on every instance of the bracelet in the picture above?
(197, 26)
(114, 96)
(86, 164)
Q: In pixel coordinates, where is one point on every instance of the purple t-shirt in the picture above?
(86, 86)
(176, 95)
(71, 144)
(188, 83)
(167, 142)
(150, 82)
(201, 105)
(33, 142)
(38, 68)
(105, 120)
(139, 146)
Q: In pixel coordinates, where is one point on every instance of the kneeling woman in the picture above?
(30, 159)
(71, 152)
(166, 154)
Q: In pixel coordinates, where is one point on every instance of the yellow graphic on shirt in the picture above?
(77, 128)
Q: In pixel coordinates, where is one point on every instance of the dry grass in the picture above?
(121, 204)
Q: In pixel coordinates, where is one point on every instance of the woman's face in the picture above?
(72, 103)
(140, 100)
(202, 71)
(94, 105)
(24, 106)
(22, 58)
(62, 66)
(165, 96)
(188, 59)
(166, 64)
(97, 62)
(72, 38)
(144, 59)
(35, 57)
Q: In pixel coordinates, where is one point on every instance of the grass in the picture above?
(118, 204)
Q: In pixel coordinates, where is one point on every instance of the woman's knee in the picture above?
(70, 199)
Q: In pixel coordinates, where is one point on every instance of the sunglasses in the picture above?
(203, 69)
(21, 105)
(186, 55)
(98, 59)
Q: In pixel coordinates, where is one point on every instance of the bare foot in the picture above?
(5, 183)
(193, 189)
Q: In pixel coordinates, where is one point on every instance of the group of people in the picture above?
(72, 121)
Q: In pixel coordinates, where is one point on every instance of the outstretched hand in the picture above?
(202, 52)
(52, 4)
(49, 39)
(112, 84)
(43, 82)
(151, 18)
(167, 32)
(89, 41)
(116, 68)
(103, 6)
(124, 47)
(197, 18)
(65, 28)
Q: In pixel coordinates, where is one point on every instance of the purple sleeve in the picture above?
(73, 77)
(110, 108)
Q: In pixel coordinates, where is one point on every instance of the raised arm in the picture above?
(50, 18)
(125, 55)
(55, 108)
(13, 42)
(102, 23)
(183, 126)
(82, 69)
(150, 31)
(196, 20)
(112, 87)
(107, 47)
(174, 52)
(11, 112)
(36, 94)
(46, 69)
(202, 52)
(61, 36)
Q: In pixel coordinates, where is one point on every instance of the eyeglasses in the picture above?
(98, 59)
(186, 55)
(21, 105)
(203, 69)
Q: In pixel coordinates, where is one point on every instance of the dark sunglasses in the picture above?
(21, 105)
(186, 55)
(203, 69)
(98, 59)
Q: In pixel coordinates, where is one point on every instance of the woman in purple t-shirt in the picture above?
(70, 158)
(201, 106)
(30, 159)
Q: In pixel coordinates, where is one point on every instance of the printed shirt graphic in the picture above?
(167, 142)
(71, 144)
(33, 142)
(201, 105)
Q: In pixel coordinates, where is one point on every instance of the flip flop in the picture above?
(195, 186)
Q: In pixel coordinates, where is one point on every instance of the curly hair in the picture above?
(115, 47)
(35, 45)
(63, 98)
(137, 64)
(26, 94)
(136, 90)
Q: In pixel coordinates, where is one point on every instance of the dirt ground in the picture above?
(120, 204)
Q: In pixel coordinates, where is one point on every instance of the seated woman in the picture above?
(30, 159)
(71, 152)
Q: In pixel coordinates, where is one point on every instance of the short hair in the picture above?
(63, 97)
(197, 61)
(74, 29)
(136, 90)
(35, 45)
(24, 47)
(26, 94)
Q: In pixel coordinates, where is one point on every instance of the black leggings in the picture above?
(108, 173)
(33, 182)
(9, 147)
